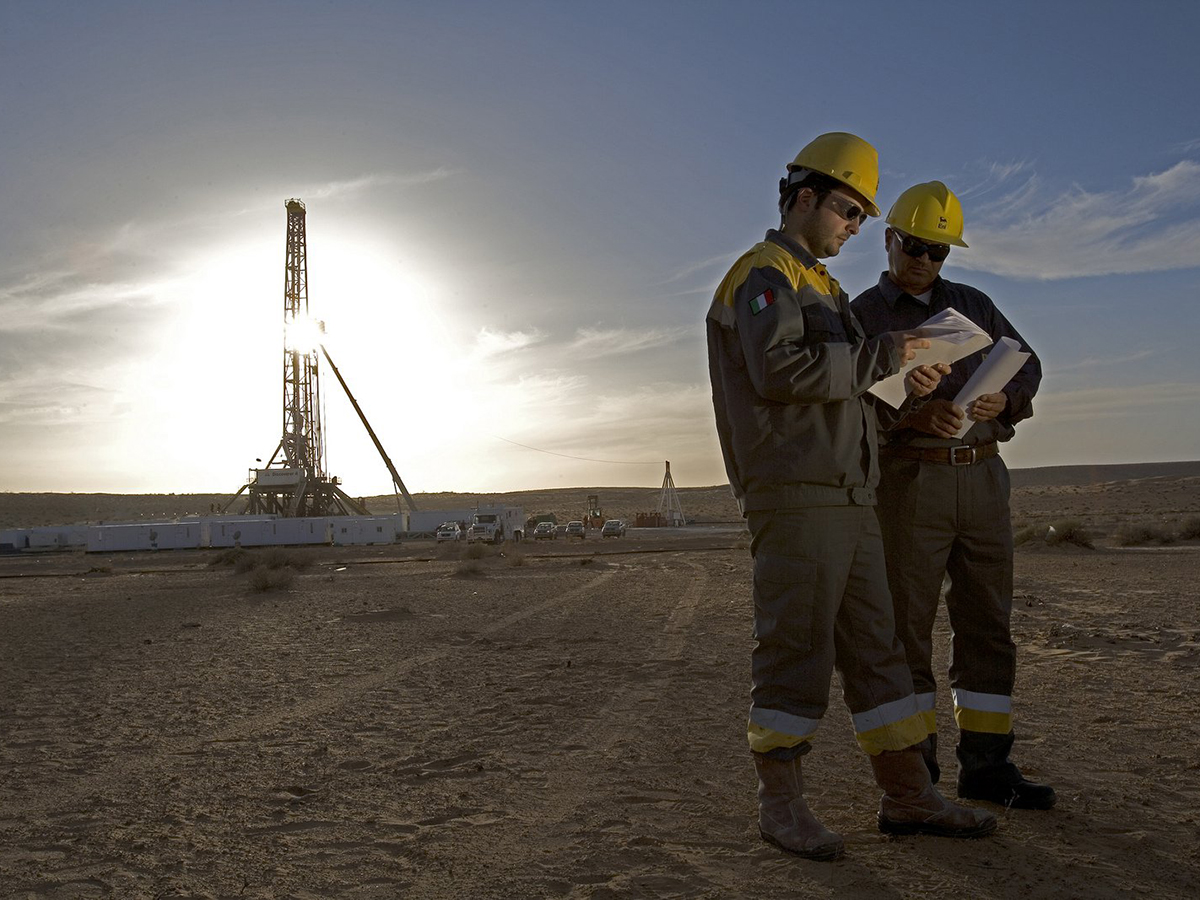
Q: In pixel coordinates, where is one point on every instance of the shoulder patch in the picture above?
(761, 302)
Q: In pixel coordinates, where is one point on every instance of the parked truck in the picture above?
(494, 525)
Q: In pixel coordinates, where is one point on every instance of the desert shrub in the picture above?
(587, 561)
(263, 578)
(1139, 535)
(477, 551)
(271, 558)
(515, 558)
(279, 557)
(1069, 531)
(1027, 533)
(228, 557)
(1190, 529)
(468, 569)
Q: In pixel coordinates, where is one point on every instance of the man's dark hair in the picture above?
(821, 185)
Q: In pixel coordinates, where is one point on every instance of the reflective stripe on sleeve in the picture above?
(771, 728)
(890, 726)
(990, 713)
(927, 704)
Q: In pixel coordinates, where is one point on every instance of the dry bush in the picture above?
(1138, 535)
(1027, 533)
(1190, 529)
(477, 551)
(515, 558)
(1069, 531)
(468, 569)
(264, 579)
(271, 558)
(228, 557)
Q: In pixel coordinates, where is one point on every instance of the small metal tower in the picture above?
(669, 507)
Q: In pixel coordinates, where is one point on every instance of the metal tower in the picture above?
(669, 506)
(297, 484)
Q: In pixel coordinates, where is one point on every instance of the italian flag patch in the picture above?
(761, 302)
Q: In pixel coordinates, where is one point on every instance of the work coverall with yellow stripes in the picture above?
(789, 364)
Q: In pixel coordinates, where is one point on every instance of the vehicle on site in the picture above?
(496, 524)
(560, 530)
(533, 522)
(576, 530)
(613, 528)
(449, 531)
(544, 531)
(594, 517)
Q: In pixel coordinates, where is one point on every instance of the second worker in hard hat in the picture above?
(943, 503)
(790, 365)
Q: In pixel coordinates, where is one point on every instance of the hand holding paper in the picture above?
(997, 370)
(950, 336)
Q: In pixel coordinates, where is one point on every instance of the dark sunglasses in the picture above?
(916, 249)
(845, 208)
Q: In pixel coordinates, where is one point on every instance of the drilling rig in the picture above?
(294, 481)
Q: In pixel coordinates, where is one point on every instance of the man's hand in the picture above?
(922, 380)
(987, 406)
(940, 418)
(907, 344)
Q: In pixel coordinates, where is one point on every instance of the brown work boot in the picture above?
(784, 819)
(912, 805)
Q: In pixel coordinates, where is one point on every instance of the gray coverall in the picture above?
(789, 365)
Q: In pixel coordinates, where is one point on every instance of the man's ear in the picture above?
(887, 238)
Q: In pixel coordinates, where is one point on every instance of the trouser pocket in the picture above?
(784, 595)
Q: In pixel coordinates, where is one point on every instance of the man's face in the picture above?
(824, 224)
(914, 274)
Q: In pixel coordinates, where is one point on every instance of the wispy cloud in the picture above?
(596, 342)
(490, 343)
(355, 186)
(986, 177)
(1150, 226)
(1093, 362)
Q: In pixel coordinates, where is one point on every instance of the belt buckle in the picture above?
(954, 461)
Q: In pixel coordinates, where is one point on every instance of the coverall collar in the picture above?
(892, 292)
(794, 247)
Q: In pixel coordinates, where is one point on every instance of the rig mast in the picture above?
(297, 484)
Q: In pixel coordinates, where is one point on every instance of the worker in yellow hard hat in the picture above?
(943, 500)
(789, 366)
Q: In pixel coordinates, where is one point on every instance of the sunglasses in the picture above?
(916, 249)
(847, 209)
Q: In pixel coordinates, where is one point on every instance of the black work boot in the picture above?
(912, 805)
(928, 748)
(986, 773)
(784, 819)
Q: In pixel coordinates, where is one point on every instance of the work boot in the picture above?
(912, 805)
(928, 748)
(986, 773)
(784, 819)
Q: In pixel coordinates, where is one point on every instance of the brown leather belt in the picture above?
(961, 455)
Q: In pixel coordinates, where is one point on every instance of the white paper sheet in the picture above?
(997, 369)
(951, 336)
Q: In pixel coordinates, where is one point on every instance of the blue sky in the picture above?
(518, 212)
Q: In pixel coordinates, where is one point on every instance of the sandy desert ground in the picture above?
(399, 722)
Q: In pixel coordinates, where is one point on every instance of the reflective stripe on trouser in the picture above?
(821, 602)
(941, 520)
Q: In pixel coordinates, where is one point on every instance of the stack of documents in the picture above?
(951, 336)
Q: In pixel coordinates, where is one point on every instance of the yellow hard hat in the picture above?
(844, 157)
(929, 211)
